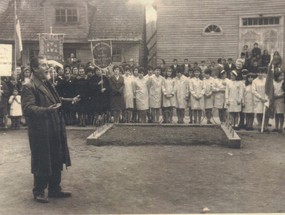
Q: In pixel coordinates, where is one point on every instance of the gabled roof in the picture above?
(31, 21)
(108, 19)
(117, 19)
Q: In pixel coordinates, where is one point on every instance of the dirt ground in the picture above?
(151, 178)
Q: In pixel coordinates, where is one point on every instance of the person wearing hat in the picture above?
(219, 95)
(182, 95)
(248, 103)
(155, 94)
(258, 90)
(197, 91)
(141, 86)
(208, 96)
(169, 95)
(234, 96)
(279, 107)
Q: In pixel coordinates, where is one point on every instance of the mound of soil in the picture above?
(155, 135)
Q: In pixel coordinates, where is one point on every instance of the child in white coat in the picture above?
(155, 94)
(169, 99)
(248, 105)
(208, 97)
(182, 95)
(141, 86)
(197, 91)
(234, 97)
(15, 109)
(279, 101)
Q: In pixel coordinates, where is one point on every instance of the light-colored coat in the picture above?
(182, 91)
(16, 106)
(155, 91)
(258, 90)
(197, 91)
(141, 93)
(209, 97)
(220, 86)
(279, 101)
(168, 87)
(234, 96)
(248, 100)
(129, 91)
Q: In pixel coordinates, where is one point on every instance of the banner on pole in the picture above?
(6, 59)
(102, 53)
(51, 46)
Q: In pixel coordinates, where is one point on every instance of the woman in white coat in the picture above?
(155, 94)
(248, 104)
(141, 86)
(197, 91)
(234, 97)
(220, 86)
(182, 95)
(208, 97)
(169, 93)
(279, 101)
(128, 95)
(258, 90)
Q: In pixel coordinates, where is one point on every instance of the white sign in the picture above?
(5, 60)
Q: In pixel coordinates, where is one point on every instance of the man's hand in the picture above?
(55, 106)
(103, 90)
(76, 99)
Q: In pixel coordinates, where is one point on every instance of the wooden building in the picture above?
(80, 22)
(207, 29)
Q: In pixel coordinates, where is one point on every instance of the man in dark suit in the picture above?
(175, 67)
(229, 67)
(46, 129)
(185, 68)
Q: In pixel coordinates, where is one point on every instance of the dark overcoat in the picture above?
(46, 128)
(117, 93)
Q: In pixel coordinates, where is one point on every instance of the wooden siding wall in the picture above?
(3, 5)
(180, 25)
(129, 50)
(73, 32)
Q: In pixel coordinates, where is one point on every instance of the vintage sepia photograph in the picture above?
(142, 106)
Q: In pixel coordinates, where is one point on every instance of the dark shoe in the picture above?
(41, 198)
(275, 130)
(59, 194)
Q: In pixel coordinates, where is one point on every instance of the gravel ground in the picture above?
(151, 178)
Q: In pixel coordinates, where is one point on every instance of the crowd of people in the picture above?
(130, 93)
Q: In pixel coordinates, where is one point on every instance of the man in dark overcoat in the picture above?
(47, 134)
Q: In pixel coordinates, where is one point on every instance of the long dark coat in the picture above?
(46, 128)
(100, 102)
(117, 93)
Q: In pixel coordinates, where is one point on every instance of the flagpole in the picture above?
(15, 34)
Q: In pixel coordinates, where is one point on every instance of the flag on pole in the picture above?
(269, 91)
(18, 37)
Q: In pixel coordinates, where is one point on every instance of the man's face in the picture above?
(42, 71)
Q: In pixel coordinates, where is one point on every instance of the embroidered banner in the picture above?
(51, 46)
(102, 53)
